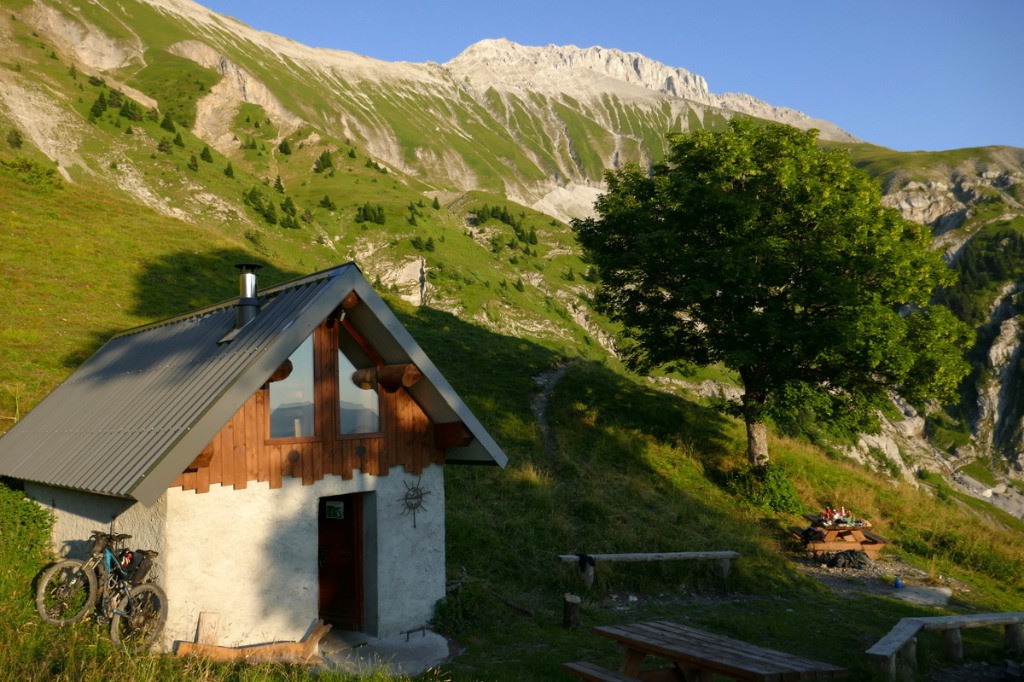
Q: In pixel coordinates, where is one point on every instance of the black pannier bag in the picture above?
(142, 563)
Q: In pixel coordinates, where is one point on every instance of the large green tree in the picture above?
(758, 249)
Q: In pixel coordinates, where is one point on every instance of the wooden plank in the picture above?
(247, 427)
(227, 453)
(307, 453)
(971, 621)
(595, 673)
(874, 537)
(389, 419)
(206, 631)
(188, 480)
(322, 399)
(257, 442)
(711, 652)
(894, 640)
(215, 461)
(274, 454)
(203, 480)
(654, 556)
(237, 431)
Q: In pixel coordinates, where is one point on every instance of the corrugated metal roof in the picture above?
(135, 414)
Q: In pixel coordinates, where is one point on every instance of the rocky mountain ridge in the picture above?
(596, 72)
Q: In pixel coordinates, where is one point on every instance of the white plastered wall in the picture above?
(77, 514)
(250, 555)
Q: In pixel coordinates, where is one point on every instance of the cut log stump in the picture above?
(572, 608)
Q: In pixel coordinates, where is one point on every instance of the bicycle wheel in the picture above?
(65, 592)
(140, 618)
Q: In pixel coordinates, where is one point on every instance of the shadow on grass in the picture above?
(181, 282)
(627, 473)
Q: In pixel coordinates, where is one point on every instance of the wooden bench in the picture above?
(595, 673)
(588, 562)
(897, 651)
(874, 537)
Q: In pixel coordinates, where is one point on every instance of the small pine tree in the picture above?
(98, 107)
(429, 245)
(206, 155)
(178, 141)
(288, 207)
(131, 110)
(128, 130)
(164, 145)
(307, 216)
(323, 162)
(519, 285)
(327, 203)
(271, 214)
(193, 163)
(436, 205)
(15, 139)
(229, 170)
(285, 148)
(115, 100)
(168, 124)
(278, 185)
(352, 153)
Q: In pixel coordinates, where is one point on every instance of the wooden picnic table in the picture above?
(840, 537)
(694, 655)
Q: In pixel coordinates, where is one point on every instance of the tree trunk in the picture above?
(757, 442)
(754, 398)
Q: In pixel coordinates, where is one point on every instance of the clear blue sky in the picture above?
(905, 74)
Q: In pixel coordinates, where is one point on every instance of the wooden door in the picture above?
(340, 559)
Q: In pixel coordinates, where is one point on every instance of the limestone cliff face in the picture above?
(957, 203)
(946, 199)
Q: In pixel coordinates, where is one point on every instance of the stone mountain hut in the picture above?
(284, 452)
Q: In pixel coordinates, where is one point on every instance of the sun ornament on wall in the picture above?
(412, 500)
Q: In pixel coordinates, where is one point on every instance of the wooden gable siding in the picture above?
(241, 452)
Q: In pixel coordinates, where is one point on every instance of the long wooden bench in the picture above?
(588, 562)
(896, 652)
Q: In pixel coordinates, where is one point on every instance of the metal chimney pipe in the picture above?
(248, 304)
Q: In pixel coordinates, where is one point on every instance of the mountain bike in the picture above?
(117, 580)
